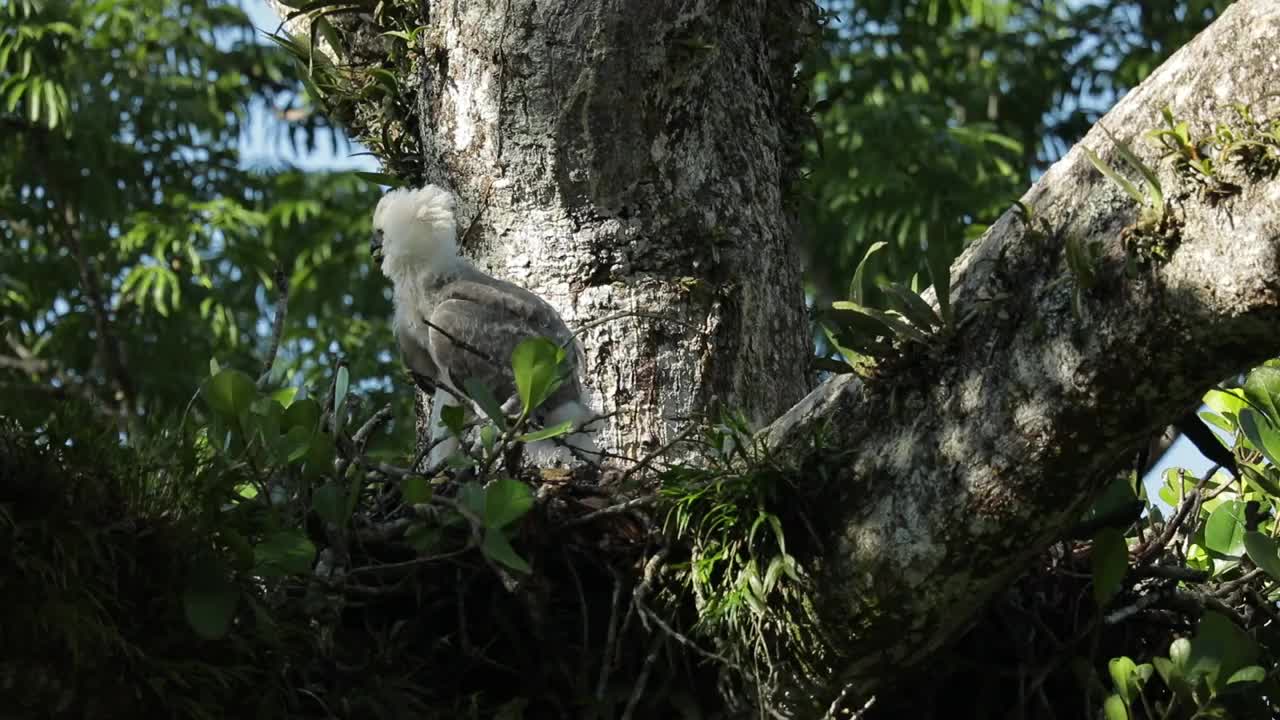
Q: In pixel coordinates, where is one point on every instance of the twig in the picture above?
(277, 325)
(618, 509)
(1192, 500)
(611, 635)
(1171, 572)
(374, 422)
(644, 462)
(643, 678)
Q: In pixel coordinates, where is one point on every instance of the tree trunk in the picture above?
(632, 157)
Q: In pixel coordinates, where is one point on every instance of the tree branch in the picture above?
(969, 463)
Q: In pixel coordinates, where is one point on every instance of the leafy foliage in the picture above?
(135, 243)
(933, 115)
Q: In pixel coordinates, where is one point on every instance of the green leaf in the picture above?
(1113, 176)
(415, 490)
(214, 367)
(896, 323)
(286, 552)
(1262, 388)
(320, 456)
(483, 396)
(506, 501)
(285, 396)
(1261, 434)
(1227, 403)
(1249, 674)
(294, 445)
(209, 599)
(496, 547)
(381, 178)
(911, 306)
(330, 503)
(1264, 551)
(230, 393)
(1115, 708)
(1110, 563)
(1153, 181)
(471, 498)
(1122, 671)
(1219, 649)
(537, 366)
(304, 413)
(340, 387)
(939, 265)
(857, 285)
(453, 417)
(548, 432)
(1224, 531)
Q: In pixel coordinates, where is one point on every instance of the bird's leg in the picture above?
(443, 446)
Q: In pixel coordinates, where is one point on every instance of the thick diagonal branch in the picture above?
(967, 463)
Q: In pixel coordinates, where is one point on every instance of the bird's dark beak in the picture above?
(375, 246)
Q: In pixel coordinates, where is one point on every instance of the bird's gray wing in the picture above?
(478, 320)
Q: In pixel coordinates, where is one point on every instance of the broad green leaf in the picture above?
(537, 363)
(1219, 649)
(1115, 708)
(1250, 674)
(330, 503)
(1110, 563)
(1224, 531)
(1261, 434)
(214, 367)
(230, 392)
(1225, 402)
(1263, 480)
(286, 552)
(294, 445)
(415, 490)
(209, 599)
(1180, 654)
(285, 396)
(1264, 551)
(548, 432)
(496, 546)
(1262, 388)
(1122, 671)
(471, 497)
(483, 396)
(320, 456)
(304, 413)
(453, 417)
(506, 501)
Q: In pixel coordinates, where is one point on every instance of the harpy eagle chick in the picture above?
(454, 323)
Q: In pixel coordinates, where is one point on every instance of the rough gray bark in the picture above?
(620, 156)
(966, 466)
(630, 156)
